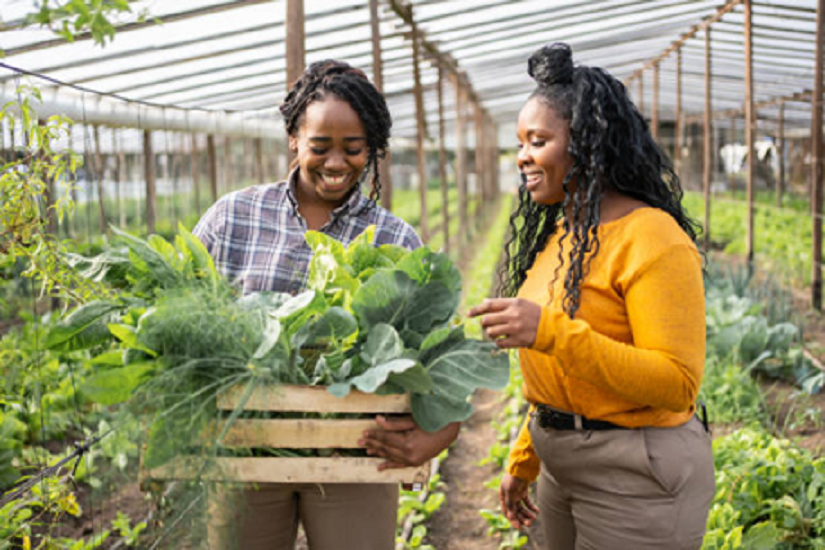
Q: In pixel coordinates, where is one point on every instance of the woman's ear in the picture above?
(293, 144)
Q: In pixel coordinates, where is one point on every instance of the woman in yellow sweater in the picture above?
(605, 303)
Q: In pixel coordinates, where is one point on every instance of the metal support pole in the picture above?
(194, 172)
(442, 163)
(461, 155)
(641, 102)
(149, 175)
(816, 160)
(385, 164)
(654, 115)
(228, 165)
(295, 46)
(708, 153)
(424, 228)
(780, 152)
(677, 141)
(99, 173)
(749, 123)
(212, 161)
(479, 158)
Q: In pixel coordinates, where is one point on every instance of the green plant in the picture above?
(769, 494)
(123, 525)
(72, 17)
(24, 187)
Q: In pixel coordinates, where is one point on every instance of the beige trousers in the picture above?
(642, 489)
(336, 516)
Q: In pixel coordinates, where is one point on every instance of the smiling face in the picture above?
(543, 158)
(331, 150)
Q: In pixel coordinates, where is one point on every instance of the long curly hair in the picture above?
(351, 85)
(611, 147)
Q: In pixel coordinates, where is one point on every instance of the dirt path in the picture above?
(458, 525)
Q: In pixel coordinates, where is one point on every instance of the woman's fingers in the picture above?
(489, 305)
(396, 423)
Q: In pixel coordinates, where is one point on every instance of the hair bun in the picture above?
(551, 65)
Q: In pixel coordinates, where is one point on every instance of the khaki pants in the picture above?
(336, 516)
(642, 489)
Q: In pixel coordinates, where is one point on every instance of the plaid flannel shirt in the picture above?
(256, 235)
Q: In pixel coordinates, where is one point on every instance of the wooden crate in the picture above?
(297, 434)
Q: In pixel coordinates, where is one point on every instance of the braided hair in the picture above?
(611, 147)
(351, 85)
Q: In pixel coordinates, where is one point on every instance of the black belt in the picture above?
(552, 419)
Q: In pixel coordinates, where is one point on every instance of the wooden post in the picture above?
(99, 173)
(780, 152)
(49, 194)
(677, 141)
(641, 102)
(424, 228)
(212, 160)
(385, 164)
(194, 172)
(461, 155)
(816, 160)
(228, 168)
(731, 140)
(708, 154)
(479, 158)
(120, 178)
(149, 175)
(442, 163)
(654, 115)
(749, 123)
(259, 161)
(495, 159)
(295, 46)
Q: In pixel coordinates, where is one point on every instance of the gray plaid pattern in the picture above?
(256, 235)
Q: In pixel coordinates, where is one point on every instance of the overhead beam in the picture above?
(692, 32)
(138, 25)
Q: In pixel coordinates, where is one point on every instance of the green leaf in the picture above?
(82, 329)
(153, 261)
(762, 536)
(202, 260)
(114, 386)
(430, 306)
(373, 378)
(457, 370)
(271, 336)
(383, 344)
(129, 336)
(383, 299)
(415, 380)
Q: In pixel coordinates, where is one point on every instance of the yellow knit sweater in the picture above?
(634, 355)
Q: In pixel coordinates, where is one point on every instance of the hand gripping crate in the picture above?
(307, 433)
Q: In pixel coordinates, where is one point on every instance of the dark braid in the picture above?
(611, 147)
(351, 85)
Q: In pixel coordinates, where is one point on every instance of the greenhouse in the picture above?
(428, 274)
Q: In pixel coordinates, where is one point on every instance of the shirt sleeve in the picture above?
(663, 366)
(523, 462)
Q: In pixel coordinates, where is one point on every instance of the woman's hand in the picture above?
(509, 322)
(515, 501)
(404, 444)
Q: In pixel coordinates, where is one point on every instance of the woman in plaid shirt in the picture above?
(338, 126)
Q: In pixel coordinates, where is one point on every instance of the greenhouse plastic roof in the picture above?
(219, 55)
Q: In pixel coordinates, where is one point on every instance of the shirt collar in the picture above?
(353, 205)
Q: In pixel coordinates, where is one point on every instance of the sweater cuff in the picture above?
(527, 470)
(546, 336)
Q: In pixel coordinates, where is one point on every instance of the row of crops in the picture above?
(62, 387)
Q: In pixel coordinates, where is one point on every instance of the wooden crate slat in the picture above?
(297, 433)
(289, 470)
(313, 399)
